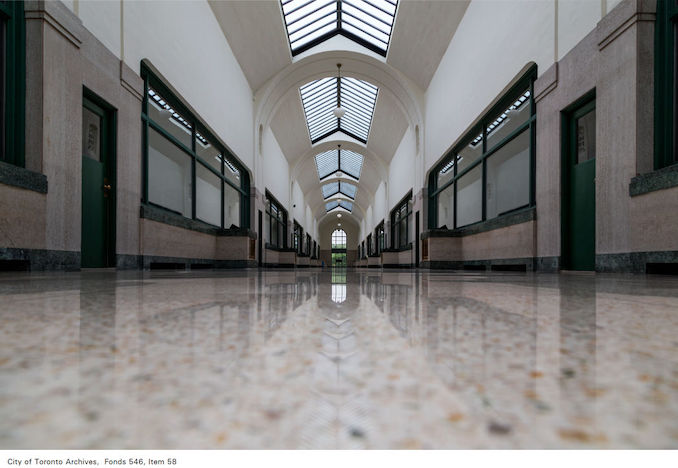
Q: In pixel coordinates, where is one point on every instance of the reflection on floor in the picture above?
(337, 359)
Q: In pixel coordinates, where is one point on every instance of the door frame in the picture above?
(568, 116)
(109, 115)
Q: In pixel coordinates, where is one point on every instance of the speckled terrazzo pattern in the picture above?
(249, 359)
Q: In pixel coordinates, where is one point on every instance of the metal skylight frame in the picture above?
(366, 22)
(335, 187)
(330, 162)
(319, 98)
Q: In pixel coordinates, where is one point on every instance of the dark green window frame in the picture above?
(297, 238)
(379, 235)
(151, 81)
(666, 84)
(307, 245)
(277, 221)
(12, 82)
(370, 249)
(478, 134)
(400, 222)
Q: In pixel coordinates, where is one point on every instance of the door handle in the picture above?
(107, 188)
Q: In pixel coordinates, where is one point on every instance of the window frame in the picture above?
(666, 85)
(278, 218)
(153, 81)
(297, 237)
(400, 214)
(526, 81)
(332, 243)
(13, 83)
(380, 238)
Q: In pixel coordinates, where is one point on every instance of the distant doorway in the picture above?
(579, 189)
(98, 183)
(339, 248)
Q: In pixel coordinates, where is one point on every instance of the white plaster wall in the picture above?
(185, 43)
(401, 170)
(380, 212)
(477, 66)
(102, 18)
(576, 18)
(277, 170)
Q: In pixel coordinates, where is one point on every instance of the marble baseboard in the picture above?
(500, 264)
(144, 262)
(39, 259)
(397, 265)
(634, 262)
(279, 265)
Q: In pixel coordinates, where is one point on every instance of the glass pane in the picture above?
(446, 208)
(446, 173)
(470, 197)
(91, 134)
(232, 173)
(509, 120)
(403, 232)
(2, 89)
(274, 232)
(162, 113)
(586, 137)
(169, 175)
(508, 176)
(208, 152)
(469, 154)
(231, 206)
(207, 195)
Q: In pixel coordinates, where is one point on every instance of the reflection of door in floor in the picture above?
(579, 200)
(98, 194)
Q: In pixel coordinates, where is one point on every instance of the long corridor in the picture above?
(337, 359)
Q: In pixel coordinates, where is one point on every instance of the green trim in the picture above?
(480, 128)
(151, 80)
(14, 76)
(666, 85)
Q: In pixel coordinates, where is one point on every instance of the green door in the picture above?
(97, 248)
(579, 214)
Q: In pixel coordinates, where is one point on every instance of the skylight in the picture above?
(321, 97)
(334, 204)
(334, 188)
(367, 22)
(332, 161)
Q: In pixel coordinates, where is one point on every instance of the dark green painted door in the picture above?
(580, 219)
(96, 187)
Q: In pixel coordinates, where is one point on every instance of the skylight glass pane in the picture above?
(319, 99)
(351, 163)
(330, 189)
(358, 98)
(348, 189)
(347, 205)
(368, 22)
(329, 206)
(327, 163)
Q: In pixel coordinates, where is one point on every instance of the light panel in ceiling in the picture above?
(332, 161)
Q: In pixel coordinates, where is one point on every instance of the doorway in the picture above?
(98, 183)
(579, 189)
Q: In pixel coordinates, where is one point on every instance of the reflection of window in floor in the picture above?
(338, 285)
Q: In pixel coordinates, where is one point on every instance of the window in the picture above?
(339, 239)
(400, 222)
(491, 172)
(334, 161)
(334, 204)
(12, 82)
(297, 238)
(370, 249)
(334, 188)
(367, 22)
(320, 97)
(307, 245)
(379, 236)
(276, 223)
(666, 84)
(187, 171)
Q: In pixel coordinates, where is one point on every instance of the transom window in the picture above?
(339, 239)
(321, 97)
(12, 82)
(339, 160)
(334, 188)
(367, 22)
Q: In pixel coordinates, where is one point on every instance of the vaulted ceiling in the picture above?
(257, 35)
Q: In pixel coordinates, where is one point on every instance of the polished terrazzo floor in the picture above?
(337, 359)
